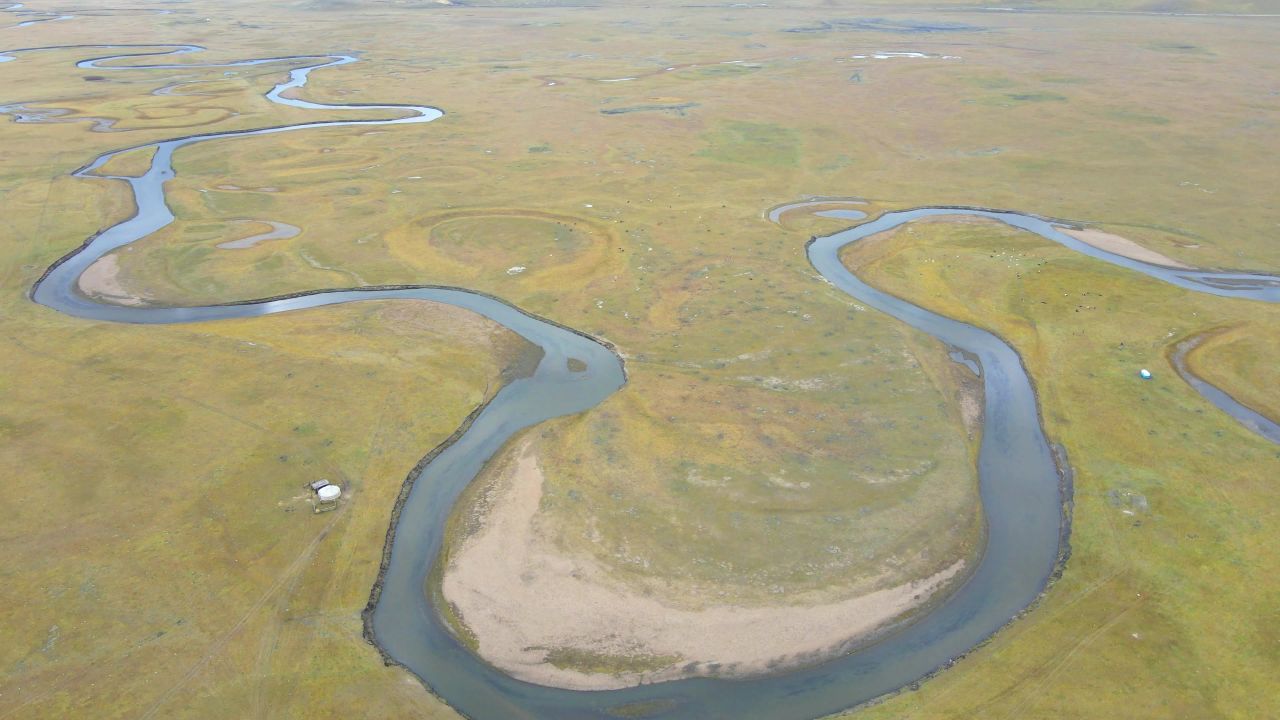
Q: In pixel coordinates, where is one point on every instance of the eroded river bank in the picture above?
(1021, 486)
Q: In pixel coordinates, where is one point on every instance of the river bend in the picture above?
(1020, 485)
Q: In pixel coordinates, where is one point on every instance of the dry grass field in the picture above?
(610, 168)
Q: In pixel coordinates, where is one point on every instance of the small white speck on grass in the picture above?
(515, 269)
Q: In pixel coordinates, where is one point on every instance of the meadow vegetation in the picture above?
(1164, 608)
(161, 563)
(1243, 358)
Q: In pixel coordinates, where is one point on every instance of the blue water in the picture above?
(1019, 482)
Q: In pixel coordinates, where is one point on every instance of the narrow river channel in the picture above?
(1021, 489)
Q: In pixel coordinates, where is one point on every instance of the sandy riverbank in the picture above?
(1109, 242)
(525, 601)
(101, 280)
(1123, 247)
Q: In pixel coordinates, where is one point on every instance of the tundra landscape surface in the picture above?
(787, 474)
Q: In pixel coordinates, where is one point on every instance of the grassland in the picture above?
(644, 228)
(1165, 606)
(1242, 358)
(170, 563)
(164, 560)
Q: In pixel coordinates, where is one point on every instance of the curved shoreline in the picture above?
(521, 603)
(1243, 414)
(775, 213)
(406, 487)
(1021, 482)
(1240, 284)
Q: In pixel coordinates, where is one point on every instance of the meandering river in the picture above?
(1020, 484)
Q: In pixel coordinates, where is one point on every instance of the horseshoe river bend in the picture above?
(1023, 489)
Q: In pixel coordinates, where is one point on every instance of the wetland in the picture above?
(863, 453)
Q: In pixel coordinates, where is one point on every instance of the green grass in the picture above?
(1170, 579)
(1243, 359)
(147, 493)
(751, 143)
(608, 663)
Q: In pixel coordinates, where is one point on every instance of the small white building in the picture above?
(327, 496)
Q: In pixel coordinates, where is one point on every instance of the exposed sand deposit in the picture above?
(536, 611)
(1122, 246)
(102, 280)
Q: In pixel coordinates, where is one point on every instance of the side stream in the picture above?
(1020, 485)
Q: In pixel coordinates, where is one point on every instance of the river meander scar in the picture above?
(1020, 481)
